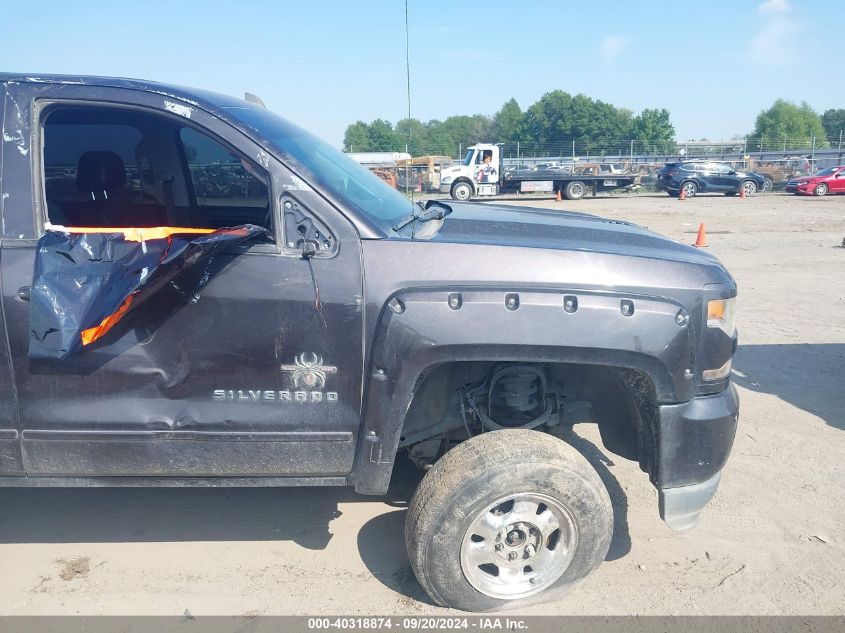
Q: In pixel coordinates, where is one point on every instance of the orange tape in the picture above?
(138, 234)
(92, 334)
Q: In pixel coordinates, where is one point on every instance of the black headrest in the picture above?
(100, 171)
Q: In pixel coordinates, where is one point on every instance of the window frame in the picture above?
(42, 107)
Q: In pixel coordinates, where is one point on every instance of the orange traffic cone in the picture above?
(742, 192)
(682, 195)
(557, 197)
(701, 239)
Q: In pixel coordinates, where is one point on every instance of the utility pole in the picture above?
(517, 155)
(573, 151)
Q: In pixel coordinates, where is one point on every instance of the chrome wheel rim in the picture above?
(821, 190)
(689, 189)
(518, 546)
(750, 188)
(576, 190)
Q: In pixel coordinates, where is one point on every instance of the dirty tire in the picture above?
(574, 190)
(483, 471)
(461, 191)
(820, 190)
(749, 187)
(689, 188)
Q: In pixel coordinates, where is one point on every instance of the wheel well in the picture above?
(622, 402)
(463, 179)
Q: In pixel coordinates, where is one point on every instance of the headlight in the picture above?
(721, 313)
(445, 180)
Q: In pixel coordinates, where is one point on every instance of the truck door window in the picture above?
(227, 189)
(115, 167)
(83, 163)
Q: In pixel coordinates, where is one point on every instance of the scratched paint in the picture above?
(179, 109)
(296, 184)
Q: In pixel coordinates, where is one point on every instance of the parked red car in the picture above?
(830, 180)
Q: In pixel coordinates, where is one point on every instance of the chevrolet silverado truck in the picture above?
(345, 325)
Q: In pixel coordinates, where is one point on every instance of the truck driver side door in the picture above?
(245, 379)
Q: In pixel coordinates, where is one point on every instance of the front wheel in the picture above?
(461, 191)
(768, 183)
(505, 516)
(820, 190)
(574, 190)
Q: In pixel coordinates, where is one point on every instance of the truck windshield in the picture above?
(344, 177)
(468, 159)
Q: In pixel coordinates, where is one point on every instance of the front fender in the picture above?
(418, 330)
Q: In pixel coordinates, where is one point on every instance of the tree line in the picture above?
(560, 120)
(557, 118)
(793, 126)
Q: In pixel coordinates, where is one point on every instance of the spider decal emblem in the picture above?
(308, 371)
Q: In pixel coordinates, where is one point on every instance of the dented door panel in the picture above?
(244, 380)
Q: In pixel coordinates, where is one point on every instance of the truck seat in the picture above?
(101, 176)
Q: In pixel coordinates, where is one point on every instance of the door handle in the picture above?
(24, 293)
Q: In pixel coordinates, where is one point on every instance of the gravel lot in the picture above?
(772, 541)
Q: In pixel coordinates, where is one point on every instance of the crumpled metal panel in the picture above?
(87, 280)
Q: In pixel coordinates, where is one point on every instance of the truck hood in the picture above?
(504, 225)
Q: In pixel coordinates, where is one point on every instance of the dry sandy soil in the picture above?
(772, 541)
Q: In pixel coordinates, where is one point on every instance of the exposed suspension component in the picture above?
(514, 396)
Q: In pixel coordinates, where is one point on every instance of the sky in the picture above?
(324, 64)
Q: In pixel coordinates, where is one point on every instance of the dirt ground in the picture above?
(772, 541)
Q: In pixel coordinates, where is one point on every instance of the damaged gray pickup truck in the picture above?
(197, 293)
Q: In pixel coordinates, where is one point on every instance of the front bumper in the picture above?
(807, 188)
(693, 444)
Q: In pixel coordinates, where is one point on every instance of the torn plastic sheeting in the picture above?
(87, 279)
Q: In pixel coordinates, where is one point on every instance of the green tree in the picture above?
(652, 131)
(357, 138)
(467, 130)
(439, 140)
(790, 124)
(383, 138)
(506, 124)
(558, 118)
(834, 124)
(417, 141)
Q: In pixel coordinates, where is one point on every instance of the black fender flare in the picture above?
(419, 330)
